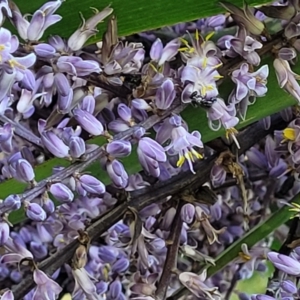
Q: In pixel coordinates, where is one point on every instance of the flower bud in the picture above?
(12, 202)
(88, 122)
(165, 95)
(77, 146)
(4, 233)
(54, 144)
(24, 170)
(8, 295)
(119, 148)
(245, 17)
(61, 192)
(120, 266)
(35, 212)
(187, 213)
(88, 104)
(117, 174)
(124, 112)
(89, 184)
(45, 50)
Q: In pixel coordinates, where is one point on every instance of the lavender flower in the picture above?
(245, 17)
(40, 21)
(285, 263)
(183, 143)
(195, 283)
(46, 287)
(287, 78)
(161, 54)
(88, 122)
(88, 29)
(150, 153)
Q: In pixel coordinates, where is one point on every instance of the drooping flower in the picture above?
(195, 283)
(46, 287)
(183, 143)
(287, 78)
(221, 115)
(245, 17)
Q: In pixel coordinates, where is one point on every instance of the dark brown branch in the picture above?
(171, 259)
(91, 157)
(22, 132)
(142, 198)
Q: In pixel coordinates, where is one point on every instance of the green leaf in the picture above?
(258, 233)
(133, 16)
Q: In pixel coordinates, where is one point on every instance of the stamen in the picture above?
(289, 134)
(209, 36)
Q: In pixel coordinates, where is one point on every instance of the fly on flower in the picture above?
(198, 100)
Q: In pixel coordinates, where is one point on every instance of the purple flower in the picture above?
(183, 143)
(77, 146)
(35, 212)
(249, 83)
(84, 282)
(24, 170)
(161, 54)
(8, 295)
(150, 153)
(287, 78)
(285, 263)
(119, 148)
(197, 79)
(165, 95)
(6, 135)
(12, 202)
(45, 51)
(76, 66)
(221, 115)
(187, 213)
(195, 283)
(4, 233)
(89, 184)
(54, 144)
(40, 21)
(61, 192)
(46, 287)
(88, 122)
(9, 43)
(203, 52)
(117, 173)
(245, 17)
(120, 266)
(244, 46)
(88, 29)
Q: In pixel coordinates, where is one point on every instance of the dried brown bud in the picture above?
(245, 17)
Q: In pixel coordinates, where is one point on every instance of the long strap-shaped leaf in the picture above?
(258, 233)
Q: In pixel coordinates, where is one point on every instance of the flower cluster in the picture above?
(79, 105)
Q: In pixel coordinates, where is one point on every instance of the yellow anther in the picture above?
(217, 77)
(289, 134)
(184, 41)
(205, 62)
(197, 154)
(197, 36)
(209, 36)
(180, 161)
(13, 63)
(244, 256)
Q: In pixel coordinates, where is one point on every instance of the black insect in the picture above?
(197, 99)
